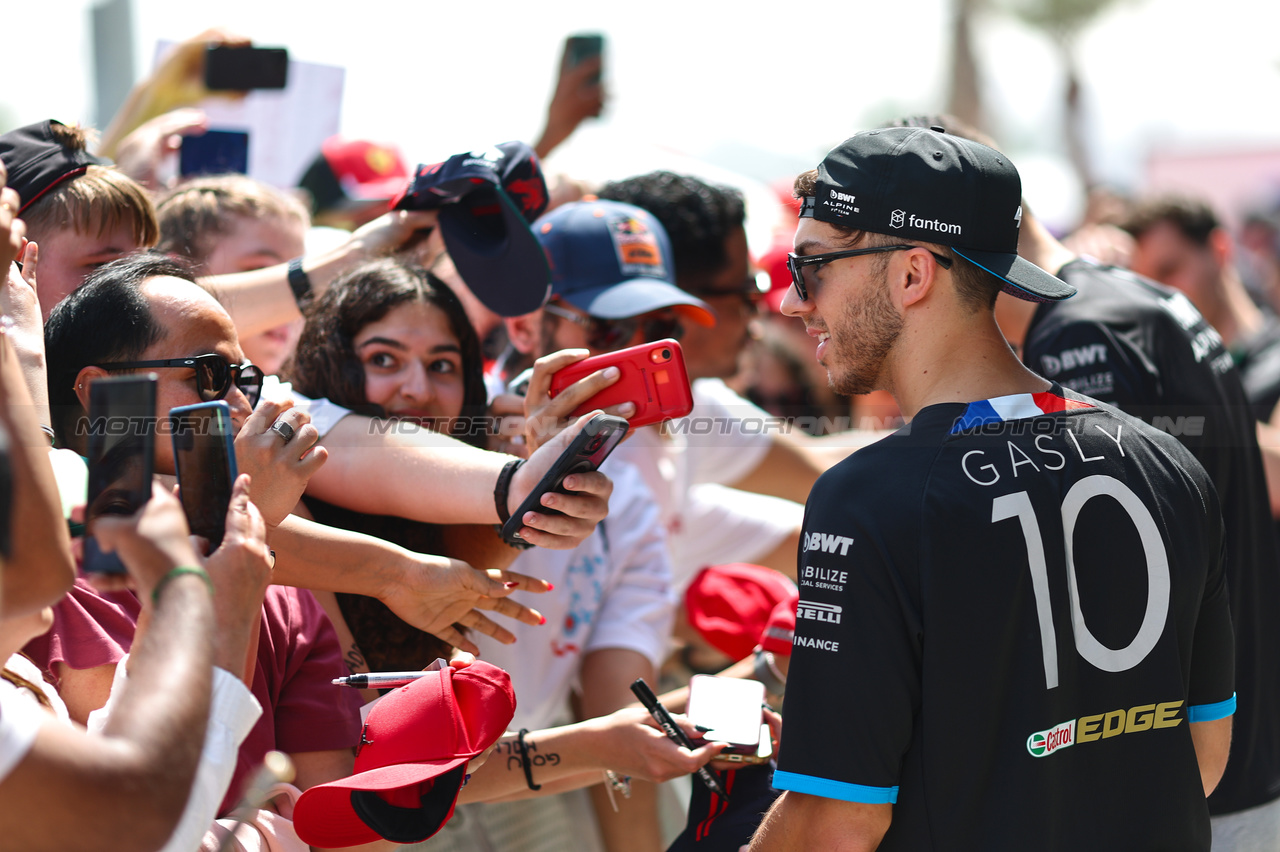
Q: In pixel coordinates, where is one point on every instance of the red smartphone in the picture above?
(653, 377)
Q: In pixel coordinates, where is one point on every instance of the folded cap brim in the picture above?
(1022, 278)
(500, 260)
(324, 815)
(640, 296)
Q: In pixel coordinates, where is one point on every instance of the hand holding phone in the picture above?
(652, 376)
(204, 454)
(152, 542)
(586, 452)
(732, 711)
(240, 69)
(121, 450)
(528, 409)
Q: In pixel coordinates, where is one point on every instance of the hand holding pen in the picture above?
(673, 731)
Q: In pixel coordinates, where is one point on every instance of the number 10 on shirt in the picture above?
(1018, 505)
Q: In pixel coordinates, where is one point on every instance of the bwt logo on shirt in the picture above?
(1071, 359)
(827, 543)
(830, 613)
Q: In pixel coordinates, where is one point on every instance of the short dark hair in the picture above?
(106, 319)
(976, 287)
(325, 363)
(1193, 218)
(697, 216)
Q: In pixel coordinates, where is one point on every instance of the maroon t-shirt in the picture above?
(298, 657)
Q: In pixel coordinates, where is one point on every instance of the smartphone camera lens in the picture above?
(660, 356)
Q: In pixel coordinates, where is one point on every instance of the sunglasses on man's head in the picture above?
(804, 265)
(214, 375)
(610, 334)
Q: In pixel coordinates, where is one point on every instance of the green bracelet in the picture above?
(178, 571)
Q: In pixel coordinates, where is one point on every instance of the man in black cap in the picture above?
(1012, 630)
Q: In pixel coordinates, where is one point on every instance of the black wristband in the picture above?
(524, 761)
(299, 282)
(502, 487)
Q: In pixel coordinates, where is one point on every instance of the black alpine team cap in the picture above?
(931, 186)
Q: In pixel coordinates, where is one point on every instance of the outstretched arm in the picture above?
(424, 476)
(126, 789)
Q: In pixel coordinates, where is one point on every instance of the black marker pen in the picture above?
(674, 732)
(379, 680)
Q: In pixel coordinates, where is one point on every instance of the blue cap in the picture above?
(613, 260)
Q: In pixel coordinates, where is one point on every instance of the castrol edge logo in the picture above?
(1102, 726)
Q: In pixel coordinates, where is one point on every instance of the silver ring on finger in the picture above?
(284, 430)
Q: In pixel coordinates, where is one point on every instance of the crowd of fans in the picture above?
(371, 369)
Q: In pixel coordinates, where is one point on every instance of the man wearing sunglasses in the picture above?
(982, 589)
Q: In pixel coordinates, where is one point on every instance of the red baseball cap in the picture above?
(729, 605)
(780, 630)
(412, 759)
(351, 172)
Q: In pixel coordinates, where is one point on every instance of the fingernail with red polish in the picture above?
(510, 585)
(542, 619)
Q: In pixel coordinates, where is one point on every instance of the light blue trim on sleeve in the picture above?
(1211, 712)
(828, 789)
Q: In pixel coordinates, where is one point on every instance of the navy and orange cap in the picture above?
(613, 260)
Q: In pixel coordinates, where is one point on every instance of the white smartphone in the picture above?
(731, 708)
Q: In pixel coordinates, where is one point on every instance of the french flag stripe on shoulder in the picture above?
(1016, 406)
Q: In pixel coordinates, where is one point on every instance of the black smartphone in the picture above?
(205, 455)
(215, 152)
(122, 443)
(579, 48)
(240, 69)
(587, 451)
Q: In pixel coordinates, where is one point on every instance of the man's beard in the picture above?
(868, 329)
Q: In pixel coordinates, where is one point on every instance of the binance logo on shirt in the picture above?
(829, 613)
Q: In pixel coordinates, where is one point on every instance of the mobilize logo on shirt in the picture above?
(1101, 726)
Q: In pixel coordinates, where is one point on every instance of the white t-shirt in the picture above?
(324, 414)
(612, 591)
(20, 719)
(689, 467)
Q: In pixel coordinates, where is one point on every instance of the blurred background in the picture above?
(1131, 94)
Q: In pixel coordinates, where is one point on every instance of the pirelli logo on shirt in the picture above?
(1102, 726)
(829, 613)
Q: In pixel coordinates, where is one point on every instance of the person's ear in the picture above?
(916, 275)
(1220, 245)
(524, 332)
(84, 378)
